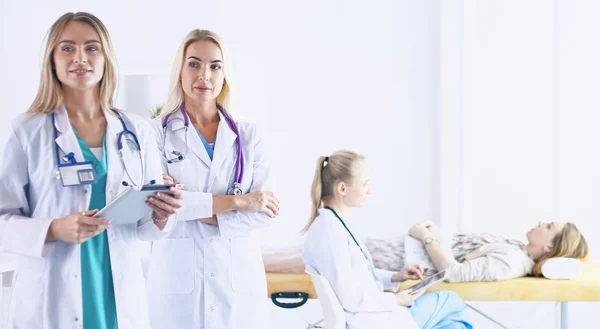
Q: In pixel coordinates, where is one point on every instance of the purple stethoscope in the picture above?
(236, 188)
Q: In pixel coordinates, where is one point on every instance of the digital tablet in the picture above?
(130, 206)
(428, 282)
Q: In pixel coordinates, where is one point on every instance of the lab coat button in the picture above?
(212, 274)
(76, 319)
(212, 308)
(85, 191)
(212, 240)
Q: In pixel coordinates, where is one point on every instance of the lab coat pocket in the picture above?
(26, 306)
(172, 266)
(247, 268)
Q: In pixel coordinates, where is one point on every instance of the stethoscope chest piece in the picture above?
(236, 189)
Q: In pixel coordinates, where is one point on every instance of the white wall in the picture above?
(518, 88)
(578, 117)
(509, 121)
(519, 85)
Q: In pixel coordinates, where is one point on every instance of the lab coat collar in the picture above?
(176, 120)
(224, 142)
(114, 127)
(66, 140)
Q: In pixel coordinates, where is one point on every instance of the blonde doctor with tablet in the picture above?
(68, 156)
(209, 272)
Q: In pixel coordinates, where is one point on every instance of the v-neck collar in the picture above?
(85, 149)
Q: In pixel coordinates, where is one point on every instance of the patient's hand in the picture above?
(411, 272)
(422, 231)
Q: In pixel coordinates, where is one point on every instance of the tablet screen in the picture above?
(428, 282)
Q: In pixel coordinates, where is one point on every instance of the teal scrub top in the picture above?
(98, 294)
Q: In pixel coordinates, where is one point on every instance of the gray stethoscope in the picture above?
(70, 157)
(236, 188)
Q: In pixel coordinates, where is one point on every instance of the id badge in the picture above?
(74, 174)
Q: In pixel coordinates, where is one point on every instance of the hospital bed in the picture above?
(585, 288)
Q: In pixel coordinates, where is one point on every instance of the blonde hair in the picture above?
(50, 94)
(175, 98)
(339, 167)
(568, 243)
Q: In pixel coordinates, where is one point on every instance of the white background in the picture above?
(478, 115)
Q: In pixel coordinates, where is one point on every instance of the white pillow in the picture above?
(562, 268)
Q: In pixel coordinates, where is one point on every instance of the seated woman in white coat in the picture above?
(61, 164)
(342, 182)
(209, 273)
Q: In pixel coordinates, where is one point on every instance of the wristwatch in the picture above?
(429, 240)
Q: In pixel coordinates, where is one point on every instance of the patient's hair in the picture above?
(568, 243)
(50, 94)
(176, 95)
(337, 168)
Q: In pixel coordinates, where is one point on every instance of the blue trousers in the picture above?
(440, 310)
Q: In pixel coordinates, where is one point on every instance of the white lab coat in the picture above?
(202, 275)
(331, 252)
(47, 286)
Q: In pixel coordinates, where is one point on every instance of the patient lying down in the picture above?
(467, 257)
(486, 257)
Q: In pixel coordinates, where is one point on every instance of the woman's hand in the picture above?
(422, 231)
(165, 204)
(411, 272)
(77, 227)
(405, 298)
(169, 180)
(259, 201)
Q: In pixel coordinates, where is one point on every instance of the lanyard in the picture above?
(347, 230)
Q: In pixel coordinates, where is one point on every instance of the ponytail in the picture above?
(329, 171)
(316, 191)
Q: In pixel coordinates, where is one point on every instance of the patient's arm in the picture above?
(478, 269)
(440, 259)
(486, 268)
